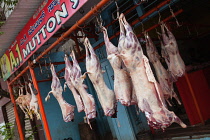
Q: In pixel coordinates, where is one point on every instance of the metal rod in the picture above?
(194, 98)
(17, 118)
(40, 103)
(50, 79)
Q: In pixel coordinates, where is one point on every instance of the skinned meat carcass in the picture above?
(77, 80)
(67, 109)
(164, 52)
(34, 103)
(24, 102)
(105, 95)
(77, 97)
(147, 89)
(122, 81)
(163, 76)
(176, 65)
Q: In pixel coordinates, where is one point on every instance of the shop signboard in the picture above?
(45, 22)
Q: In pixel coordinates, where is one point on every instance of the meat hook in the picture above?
(29, 78)
(40, 67)
(172, 13)
(142, 27)
(141, 1)
(159, 20)
(118, 12)
(99, 25)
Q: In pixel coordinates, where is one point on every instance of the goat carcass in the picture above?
(176, 65)
(77, 80)
(105, 95)
(162, 74)
(147, 89)
(122, 81)
(34, 102)
(67, 109)
(77, 97)
(24, 102)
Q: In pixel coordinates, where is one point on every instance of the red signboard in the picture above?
(44, 23)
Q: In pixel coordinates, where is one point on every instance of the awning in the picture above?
(16, 21)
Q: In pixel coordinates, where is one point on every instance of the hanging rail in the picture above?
(133, 23)
(112, 37)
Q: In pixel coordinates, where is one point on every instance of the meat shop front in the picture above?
(100, 69)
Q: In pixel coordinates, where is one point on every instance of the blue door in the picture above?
(122, 124)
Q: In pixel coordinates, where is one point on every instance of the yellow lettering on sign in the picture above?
(12, 60)
(18, 51)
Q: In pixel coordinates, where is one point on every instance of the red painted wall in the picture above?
(200, 82)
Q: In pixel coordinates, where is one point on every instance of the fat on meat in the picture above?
(176, 65)
(56, 90)
(105, 95)
(122, 81)
(77, 80)
(67, 77)
(147, 89)
(163, 75)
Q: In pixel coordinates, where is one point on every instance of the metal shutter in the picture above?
(10, 113)
(11, 118)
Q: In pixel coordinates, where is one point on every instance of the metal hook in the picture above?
(142, 27)
(172, 13)
(45, 64)
(118, 12)
(99, 25)
(158, 33)
(26, 88)
(142, 1)
(159, 20)
(40, 67)
(29, 78)
(80, 26)
(156, 30)
(50, 60)
(20, 83)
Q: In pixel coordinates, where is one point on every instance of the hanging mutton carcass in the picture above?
(56, 90)
(175, 64)
(24, 102)
(147, 89)
(105, 95)
(122, 82)
(77, 80)
(77, 96)
(34, 103)
(163, 76)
